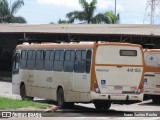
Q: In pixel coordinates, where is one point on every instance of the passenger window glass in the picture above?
(67, 55)
(24, 55)
(80, 62)
(39, 55)
(69, 61)
(52, 55)
(23, 60)
(33, 55)
(31, 59)
(48, 64)
(72, 55)
(83, 54)
(58, 65)
(29, 55)
(47, 55)
(57, 55)
(59, 60)
(78, 54)
(39, 60)
(62, 55)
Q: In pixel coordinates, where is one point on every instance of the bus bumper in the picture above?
(117, 97)
(152, 91)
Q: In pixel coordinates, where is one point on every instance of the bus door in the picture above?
(15, 73)
(81, 81)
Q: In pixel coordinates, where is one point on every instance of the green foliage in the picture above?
(114, 19)
(87, 14)
(7, 14)
(60, 21)
(6, 103)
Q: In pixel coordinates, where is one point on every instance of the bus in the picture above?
(152, 74)
(98, 73)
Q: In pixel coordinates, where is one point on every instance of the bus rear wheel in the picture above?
(60, 98)
(102, 105)
(156, 99)
(23, 93)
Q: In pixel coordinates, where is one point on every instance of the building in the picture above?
(12, 34)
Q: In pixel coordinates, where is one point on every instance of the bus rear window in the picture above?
(128, 52)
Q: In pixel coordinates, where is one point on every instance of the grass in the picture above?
(6, 104)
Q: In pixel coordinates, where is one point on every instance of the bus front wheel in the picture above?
(60, 98)
(23, 93)
(102, 105)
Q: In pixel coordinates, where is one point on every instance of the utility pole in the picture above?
(115, 11)
(152, 11)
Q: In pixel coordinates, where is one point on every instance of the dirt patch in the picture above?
(50, 108)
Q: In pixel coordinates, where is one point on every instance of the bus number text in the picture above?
(134, 70)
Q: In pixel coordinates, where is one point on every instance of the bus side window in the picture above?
(80, 62)
(88, 61)
(83, 55)
(59, 59)
(23, 60)
(49, 57)
(16, 60)
(73, 55)
(39, 60)
(31, 59)
(69, 61)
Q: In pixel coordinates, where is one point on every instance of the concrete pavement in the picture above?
(6, 90)
(87, 111)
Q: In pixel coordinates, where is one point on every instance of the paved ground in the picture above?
(6, 90)
(88, 112)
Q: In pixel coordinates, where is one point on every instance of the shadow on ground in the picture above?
(80, 111)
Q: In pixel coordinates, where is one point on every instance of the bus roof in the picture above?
(151, 50)
(80, 45)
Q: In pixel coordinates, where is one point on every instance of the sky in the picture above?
(46, 11)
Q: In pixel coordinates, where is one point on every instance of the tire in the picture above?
(69, 105)
(60, 98)
(102, 105)
(156, 99)
(23, 93)
(146, 97)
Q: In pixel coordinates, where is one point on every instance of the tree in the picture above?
(114, 19)
(87, 14)
(7, 14)
(60, 21)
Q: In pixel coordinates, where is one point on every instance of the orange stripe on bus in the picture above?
(118, 65)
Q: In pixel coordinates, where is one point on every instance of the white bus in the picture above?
(152, 74)
(98, 73)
